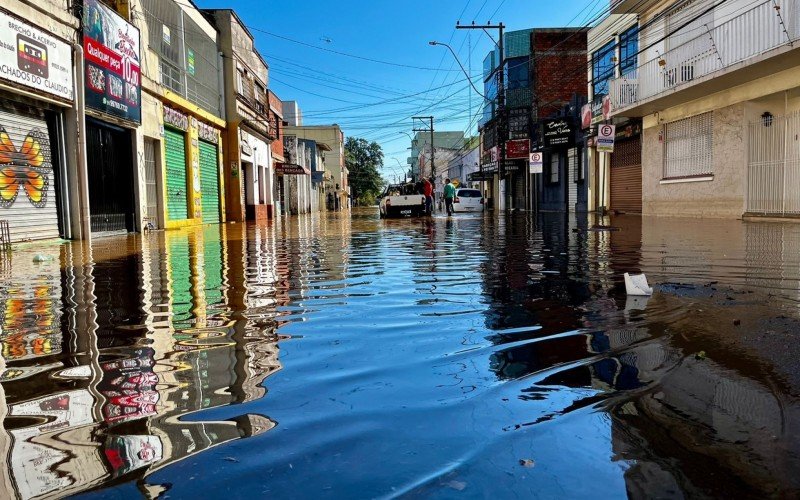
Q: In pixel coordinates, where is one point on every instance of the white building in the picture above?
(717, 86)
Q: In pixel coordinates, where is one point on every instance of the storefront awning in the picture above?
(291, 169)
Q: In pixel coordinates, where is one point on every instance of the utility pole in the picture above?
(502, 125)
(430, 129)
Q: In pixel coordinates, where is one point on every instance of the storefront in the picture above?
(192, 170)
(626, 176)
(37, 84)
(113, 102)
(563, 186)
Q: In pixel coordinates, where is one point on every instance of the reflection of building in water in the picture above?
(182, 344)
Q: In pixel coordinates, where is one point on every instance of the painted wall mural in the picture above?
(27, 168)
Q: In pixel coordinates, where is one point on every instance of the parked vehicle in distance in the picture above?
(402, 200)
(468, 200)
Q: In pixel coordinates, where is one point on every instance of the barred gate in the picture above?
(773, 167)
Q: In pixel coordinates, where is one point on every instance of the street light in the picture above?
(455, 56)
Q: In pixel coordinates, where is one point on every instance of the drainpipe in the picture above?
(82, 168)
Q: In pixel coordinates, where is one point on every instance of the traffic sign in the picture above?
(536, 162)
(605, 138)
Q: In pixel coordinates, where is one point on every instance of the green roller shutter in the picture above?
(175, 148)
(209, 182)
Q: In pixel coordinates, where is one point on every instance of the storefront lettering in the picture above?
(175, 118)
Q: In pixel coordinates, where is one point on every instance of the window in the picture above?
(688, 149)
(575, 165)
(554, 168)
(628, 49)
(602, 69)
(468, 193)
(516, 73)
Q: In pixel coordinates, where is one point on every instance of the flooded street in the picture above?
(334, 356)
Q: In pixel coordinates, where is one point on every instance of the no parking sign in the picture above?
(605, 138)
(535, 165)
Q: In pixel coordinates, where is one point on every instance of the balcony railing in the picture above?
(748, 35)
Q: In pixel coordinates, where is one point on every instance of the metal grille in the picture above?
(688, 147)
(150, 181)
(188, 56)
(773, 167)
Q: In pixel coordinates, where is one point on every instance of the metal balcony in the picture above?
(737, 42)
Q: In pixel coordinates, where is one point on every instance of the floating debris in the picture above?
(527, 462)
(636, 284)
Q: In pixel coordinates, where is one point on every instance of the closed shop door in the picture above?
(27, 177)
(626, 176)
(175, 161)
(110, 167)
(209, 181)
(572, 186)
(151, 183)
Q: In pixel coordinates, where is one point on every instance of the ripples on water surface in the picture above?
(336, 357)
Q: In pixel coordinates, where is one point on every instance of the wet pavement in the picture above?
(334, 356)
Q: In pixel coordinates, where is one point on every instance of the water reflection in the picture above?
(427, 357)
(107, 348)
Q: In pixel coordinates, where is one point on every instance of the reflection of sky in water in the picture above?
(372, 358)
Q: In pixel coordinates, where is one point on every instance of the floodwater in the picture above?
(333, 356)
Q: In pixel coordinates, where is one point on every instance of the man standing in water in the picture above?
(449, 195)
(427, 187)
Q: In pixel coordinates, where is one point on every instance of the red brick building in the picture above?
(557, 69)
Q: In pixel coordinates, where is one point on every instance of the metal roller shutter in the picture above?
(626, 176)
(209, 181)
(175, 149)
(27, 183)
(572, 187)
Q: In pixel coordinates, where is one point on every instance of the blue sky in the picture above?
(370, 99)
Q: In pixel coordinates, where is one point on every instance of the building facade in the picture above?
(615, 179)
(40, 114)
(717, 87)
(543, 80)
(183, 123)
(249, 172)
(422, 141)
(332, 137)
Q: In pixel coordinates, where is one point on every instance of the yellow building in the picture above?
(182, 118)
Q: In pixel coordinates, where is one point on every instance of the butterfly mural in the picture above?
(24, 168)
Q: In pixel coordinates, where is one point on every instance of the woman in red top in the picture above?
(427, 187)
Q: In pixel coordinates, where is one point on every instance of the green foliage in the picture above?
(363, 160)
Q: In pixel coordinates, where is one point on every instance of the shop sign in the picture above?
(518, 149)
(175, 118)
(207, 133)
(112, 50)
(190, 61)
(34, 58)
(558, 132)
(535, 162)
(605, 138)
(291, 169)
(586, 116)
(606, 107)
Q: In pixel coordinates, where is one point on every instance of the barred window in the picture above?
(554, 168)
(688, 149)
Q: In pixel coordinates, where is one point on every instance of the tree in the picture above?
(363, 160)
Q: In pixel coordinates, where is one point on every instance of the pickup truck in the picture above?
(402, 200)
